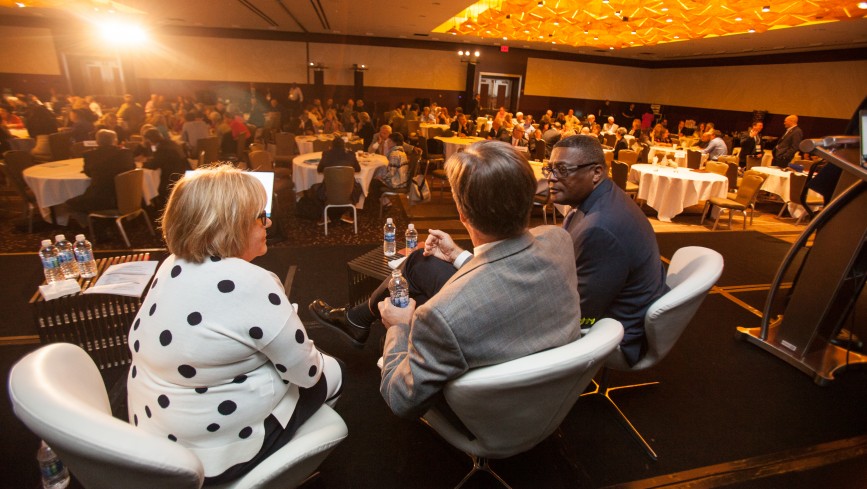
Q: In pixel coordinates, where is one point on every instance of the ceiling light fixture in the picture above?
(738, 19)
(862, 5)
(20, 5)
(766, 8)
(751, 31)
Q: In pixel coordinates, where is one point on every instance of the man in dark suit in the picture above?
(789, 144)
(751, 143)
(102, 165)
(616, 256)
(461, 126)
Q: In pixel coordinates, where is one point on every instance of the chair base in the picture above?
(480, 464)
(603, 390)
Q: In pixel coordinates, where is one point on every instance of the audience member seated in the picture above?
(471, 311)
(337, 155)
(461, 126)
(221, 362)
(167, 157)
(365, 131)
(394, 175)
(330, 124)
(131, 114)
(10, 120)
(108, 121)
(102, 165)
(194, 128)
(610, 127)
(81, 126)
(378, 145)
(616, 256)
(620, 143)
(552, 134)
(716, 147)
(517, 138)
(498, 132)
(39, 120)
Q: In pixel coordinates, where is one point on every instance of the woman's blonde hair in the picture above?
(210, 211)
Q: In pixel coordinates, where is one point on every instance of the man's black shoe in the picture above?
(336, 319)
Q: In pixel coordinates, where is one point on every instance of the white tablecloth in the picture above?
(56, 182)
(455, 144)
(304, 172)
(19, 133)
(670, 190)
(678, 155)
(425, 127)
(777, 182)
(305, 143)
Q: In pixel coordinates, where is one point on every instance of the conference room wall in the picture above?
(827, 90)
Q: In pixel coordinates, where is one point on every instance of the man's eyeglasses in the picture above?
(562, 170)
(263, 217)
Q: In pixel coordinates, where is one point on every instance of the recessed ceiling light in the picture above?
(677, 37)
(556, 23)
(634, 33)
(665, 9)
(20, 5)
(596, 38)
(611, 48)
(505, 38)
(668, 20)
(526, 31)
(766, 9)
(553, 42)
(862, 5)
(738, 19)
(751, 31)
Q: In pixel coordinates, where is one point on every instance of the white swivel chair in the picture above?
(511, 407)
(58, 392)
(691, 274)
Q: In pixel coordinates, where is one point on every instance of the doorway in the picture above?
(92, 75)
(499, 90)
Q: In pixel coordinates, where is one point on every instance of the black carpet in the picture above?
(719, 399)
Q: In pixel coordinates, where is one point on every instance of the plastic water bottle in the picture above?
(84, 256)
(389, 247)
(55, 475)
(411, 238)
(399, 289)
(68, 264)
(50, 262)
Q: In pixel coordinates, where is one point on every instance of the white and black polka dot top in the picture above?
(216, 348)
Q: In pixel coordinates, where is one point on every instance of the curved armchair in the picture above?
(509, 408)
(691, 274)
(58, 392)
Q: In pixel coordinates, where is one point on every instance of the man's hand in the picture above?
(392, 315)
(441, 245)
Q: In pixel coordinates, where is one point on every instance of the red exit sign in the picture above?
(504, 49)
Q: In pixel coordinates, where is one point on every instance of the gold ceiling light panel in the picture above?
(607, 24)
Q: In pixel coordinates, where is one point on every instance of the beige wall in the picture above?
(28, 51)
(813, 89)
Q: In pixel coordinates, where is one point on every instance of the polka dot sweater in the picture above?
(216, 349)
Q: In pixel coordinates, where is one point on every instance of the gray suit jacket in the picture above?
(518, 297)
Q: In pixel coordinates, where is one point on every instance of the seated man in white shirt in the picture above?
(610, 127)
(716, 147)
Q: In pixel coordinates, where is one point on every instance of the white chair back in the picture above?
(691, 274)
(513, 406)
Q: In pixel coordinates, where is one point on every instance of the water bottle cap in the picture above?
(46, 242)
(411, 226)
(389, 221)
(79, 237)
(60, 237)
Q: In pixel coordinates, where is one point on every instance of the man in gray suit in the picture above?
(516, 296)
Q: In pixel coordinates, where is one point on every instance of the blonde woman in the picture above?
(221, 363)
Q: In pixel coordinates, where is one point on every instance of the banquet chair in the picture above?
(261, 161)
(22, 144)
(796, 196)
(320, 145)
(287, 148)
(743, 200)
(691, 274)
(628, 156)
(717, 167)
(412, 127)
(546, 202)
(128, 187)
(13, 169)
(58, 393)
(753, 161)
(609, 157)
(540, 152)
(732, 170)
(511, 407)
(413, 158)
(61, 146)
(208, 150)
(619, 174)
(339, 182)
(610, 140)
(693, 159)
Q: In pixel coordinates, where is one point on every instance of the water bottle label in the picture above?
(51, 468)
(50, 262)
(411, 243)
(400, 300)
(83, 255)
(389, 237)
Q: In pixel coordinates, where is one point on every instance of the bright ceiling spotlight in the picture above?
(122, 33)
(862, 5)
(766, 8)
(476, 54)
(751, 31)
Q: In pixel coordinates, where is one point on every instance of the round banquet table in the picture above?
(304, 172)
(305, 143)
(56, 182)
(777, 182)
(670, 190)
(455, 143)
(424, 128)
(19, 132)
